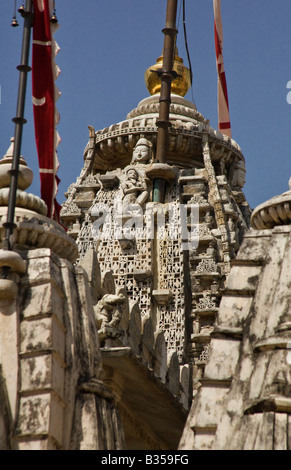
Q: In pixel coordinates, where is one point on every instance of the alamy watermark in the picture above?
(288, 97)
(173, 221)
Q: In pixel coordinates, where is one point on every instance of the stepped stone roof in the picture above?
(244, 400)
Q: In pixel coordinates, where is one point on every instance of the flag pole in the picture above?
(166, 75)
(224, 125)
(19, 120)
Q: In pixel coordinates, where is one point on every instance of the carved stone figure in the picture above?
(134, 189)
(208, 220)
(238, 175)
(108, 312)
(142, 152)
(210, 251)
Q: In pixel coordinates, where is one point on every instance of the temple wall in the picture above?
(51, 361)
(244, 399)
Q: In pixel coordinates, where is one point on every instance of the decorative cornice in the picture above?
(179, 106)
(275, 211)
(113, 145)
(26, 200)
(36, 231)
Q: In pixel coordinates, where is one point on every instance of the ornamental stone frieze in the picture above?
(275, 211)
(33, 228)
(111, 147)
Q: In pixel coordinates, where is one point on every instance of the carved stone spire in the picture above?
(32, 227)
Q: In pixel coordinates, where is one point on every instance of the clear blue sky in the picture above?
(106, 46)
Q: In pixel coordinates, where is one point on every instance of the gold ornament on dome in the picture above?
(180, 85)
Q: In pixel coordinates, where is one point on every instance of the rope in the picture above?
(185, 38)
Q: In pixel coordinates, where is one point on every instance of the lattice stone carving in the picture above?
(70, 208)
(204, 231)
(197, 199)
(206, 302)
(204, 353)
(171, 274)
(206, 266)
(128, 259)
(85, 239)
(90, 180)
(88, 238)
(125, 263)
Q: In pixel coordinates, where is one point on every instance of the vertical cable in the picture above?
(185, 38)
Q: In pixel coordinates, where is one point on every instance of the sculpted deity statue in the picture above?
(238, 175)
(134, 188)
(142, 152)
(108, 313)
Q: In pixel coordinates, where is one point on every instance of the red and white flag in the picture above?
(223, 107)
(45, 94)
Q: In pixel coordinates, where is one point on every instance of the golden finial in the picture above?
(180, 85)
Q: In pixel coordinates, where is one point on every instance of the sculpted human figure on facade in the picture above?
(142, 152)
(133, 182)
(208, 220)
(108, 312)
(210, 251)
(134, 188)
(238, 175)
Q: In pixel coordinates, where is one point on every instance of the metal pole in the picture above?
(19, 121)
(166, 75)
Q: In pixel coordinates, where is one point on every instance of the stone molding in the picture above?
(187, 124)
(36, 231)
(24, 200)
(275, 211)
